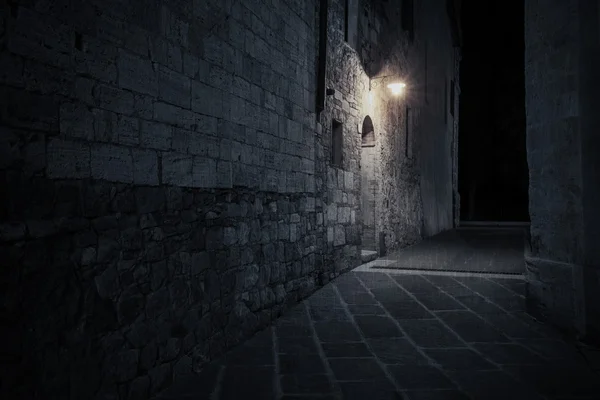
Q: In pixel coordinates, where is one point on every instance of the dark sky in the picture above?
(493, 177)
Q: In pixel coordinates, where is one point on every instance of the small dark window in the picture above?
(78, 41)
(346, 19)
(408, 18)
(452, 96)
(368, 132)
(337, 143)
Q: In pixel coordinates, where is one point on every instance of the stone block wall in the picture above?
(561, 69)
(552, 112)
(166, 184)
(158, 199)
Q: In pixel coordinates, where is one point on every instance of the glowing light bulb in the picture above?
(396, 87)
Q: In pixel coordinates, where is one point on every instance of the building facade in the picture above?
(175, 173)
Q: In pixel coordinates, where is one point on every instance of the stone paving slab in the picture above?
(386, 336)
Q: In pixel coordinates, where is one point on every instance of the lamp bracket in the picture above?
(377, 83)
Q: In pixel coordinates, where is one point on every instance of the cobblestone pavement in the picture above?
(384, 336)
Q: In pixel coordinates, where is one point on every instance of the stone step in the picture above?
(368, 255)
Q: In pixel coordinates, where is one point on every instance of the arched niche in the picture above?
(368, 132)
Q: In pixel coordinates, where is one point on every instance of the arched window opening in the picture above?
(368, 133)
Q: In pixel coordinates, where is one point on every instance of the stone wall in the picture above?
(404, 183)
(562, 48)
(167, 187)
(158, 186)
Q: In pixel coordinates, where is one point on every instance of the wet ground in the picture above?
(390, 334)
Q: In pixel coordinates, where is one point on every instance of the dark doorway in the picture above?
(493, 177)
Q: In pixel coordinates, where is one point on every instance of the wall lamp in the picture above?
(396, 86)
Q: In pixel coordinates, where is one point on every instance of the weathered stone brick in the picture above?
(104, 126)
(137, 74)
(143, 106)
(204, 172)
(76, 121)
(339, 235)
(97, 60)
(295, 182)
(236, 34)
(185, 141)
(294, 131)
(127, 130)
(156, 135)
(310, 183)
(237, 151)
(306, 166)
(343, 216)
(348, 180)
(206, 124)
(173, 27)
(331, 212)
(112, 163)
(174, 87)
(246, 175)
(135, 38)
(224, 174)
(190, 65)
(166, 53)
(83, 89)
(207, 100)
(174, 115)
(213, 47)
(67, 159)
(230, 58)
(113, 99)
(177, 169)
(245, 154)
(145, 167)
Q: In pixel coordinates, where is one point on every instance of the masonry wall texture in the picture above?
(166, 184)
(413, 195)
(562, 62)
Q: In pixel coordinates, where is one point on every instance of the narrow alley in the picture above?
(299, 199)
